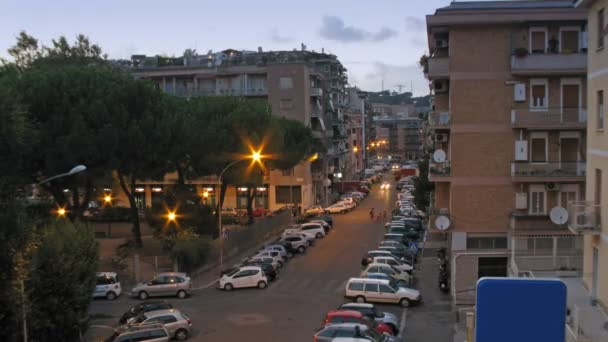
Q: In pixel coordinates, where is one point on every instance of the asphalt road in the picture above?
(293, 306)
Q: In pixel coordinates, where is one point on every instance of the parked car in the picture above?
(375, 253)
(355, 331)
(315, 209)
(337, 208)
(298, 242)
(144, 307)
(312, 227)
(275, 255)
(229, 212)
(352, 316)
(148, 333)
(372, 312)
(392, 261)
(287, 245)
(269, 260)
(164, 284)
(401, 253)
(275, 247)
(246, 276)
(107, 285)
(177, 324)
(269, 270)
(375, 290)
(349, 204)
(259, 211)
(309, 238)
(386, 269)
(394, 283)
(325, 225)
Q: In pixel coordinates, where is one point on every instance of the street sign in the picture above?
(413, 246)
(520, 309)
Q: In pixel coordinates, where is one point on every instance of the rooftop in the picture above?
(500, 5)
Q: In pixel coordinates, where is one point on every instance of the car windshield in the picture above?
(233, 272)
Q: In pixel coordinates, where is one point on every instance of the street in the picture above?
(293, 306)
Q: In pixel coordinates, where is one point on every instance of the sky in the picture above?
(379, 41)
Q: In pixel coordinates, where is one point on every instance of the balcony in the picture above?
(441, 120)
(316, 92)
(522, 222)
(548, 64)
(439, 68)
(548, 172)
(549, 118)
(438, 171)
(584, 218)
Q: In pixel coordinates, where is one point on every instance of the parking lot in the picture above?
(293, 306)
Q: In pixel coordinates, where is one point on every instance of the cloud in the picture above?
(414, 23)
(375, 74)
(334, 28)
(277, 38)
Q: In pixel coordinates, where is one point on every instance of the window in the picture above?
(285, 83)
(600, 109)
(286, 104)
(538, 148)
(286, 194)
(565, 197)
(371, 287)
(492, 267)
(538, 200)
(386, 289)
(538, 94)
(569, 42)
(538, 40)
(601, 30)
(486, 242)
(355, 286)
(168, 319)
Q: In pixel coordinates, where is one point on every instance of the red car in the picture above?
(257, 212)
(351, 316)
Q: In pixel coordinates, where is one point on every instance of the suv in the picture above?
(370, 311)
(144, 307)
(165, 284)
(107, 285)
(177, 324)
(313, 228)
(376, 290)
(298, 242)
(246, 276)
(148, 333)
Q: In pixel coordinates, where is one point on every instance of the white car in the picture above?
(349, 205)
(364, 290)
(337, 208)
(107, 285)
(398, 264)
(246, 276)
(271, 254)
(300, 243)
(313, 227)
(308, 240)
(315, 209)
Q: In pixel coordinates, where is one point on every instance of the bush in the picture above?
(113, 214)
(190, 250)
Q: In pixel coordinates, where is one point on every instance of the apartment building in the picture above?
(509, 132)
(403, 134)
(302, 85)
(588, 217)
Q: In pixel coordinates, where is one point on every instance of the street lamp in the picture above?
(255, 156)
(74, 170)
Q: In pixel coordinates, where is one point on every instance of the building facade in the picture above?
(402, 132)
(509, 134)
(301, 85)
(589, 217)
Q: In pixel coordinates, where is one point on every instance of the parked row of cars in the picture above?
(346, 203)
(387, 277)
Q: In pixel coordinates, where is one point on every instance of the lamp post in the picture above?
(61, 212)
(256, 157)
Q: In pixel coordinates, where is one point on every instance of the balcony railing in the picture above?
(439, 169)
(548, 170)
(551, 63)
(221, 92)
(316, 92)
(439, 67)
(557, 118)
(440, 119)
(584, 218)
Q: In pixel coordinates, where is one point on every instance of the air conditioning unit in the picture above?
(551, 186)
(521, 150)
(440, 86)
(441, 43)
(441, 137)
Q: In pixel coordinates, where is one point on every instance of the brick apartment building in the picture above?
(509, 128)
(300, 84)
(401, 128)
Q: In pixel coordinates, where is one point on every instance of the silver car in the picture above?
(165, 284)
(148, 333)
(177, 324)
(372, 312)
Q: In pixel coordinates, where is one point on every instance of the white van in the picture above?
(107, 285)
(380, 290)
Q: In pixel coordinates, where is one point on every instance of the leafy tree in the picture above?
(60, 282)
(422, 186)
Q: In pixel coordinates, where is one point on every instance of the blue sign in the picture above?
(520, 309)
(413, 246)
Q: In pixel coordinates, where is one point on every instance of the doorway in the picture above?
(568, 155)
(492, 267)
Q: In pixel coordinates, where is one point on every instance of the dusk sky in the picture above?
(376, 40)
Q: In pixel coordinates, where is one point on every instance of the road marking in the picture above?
(206, 286)
(402, 323)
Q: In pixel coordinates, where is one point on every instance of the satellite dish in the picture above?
(439, 156)
(442, 222)
(558, 215)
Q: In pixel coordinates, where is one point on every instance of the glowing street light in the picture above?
(355, 149)
(256, 156)
(107, 199)
(171, 216)
(61, 212)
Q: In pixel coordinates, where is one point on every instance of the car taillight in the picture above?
(116, 286)
(189, 321)
(314, 339)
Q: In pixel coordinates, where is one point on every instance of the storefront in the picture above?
(208, 195)
(261, 197)
(140, 197)
(241, 197)
(157, 196)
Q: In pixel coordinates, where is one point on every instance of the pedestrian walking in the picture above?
(371, 214)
